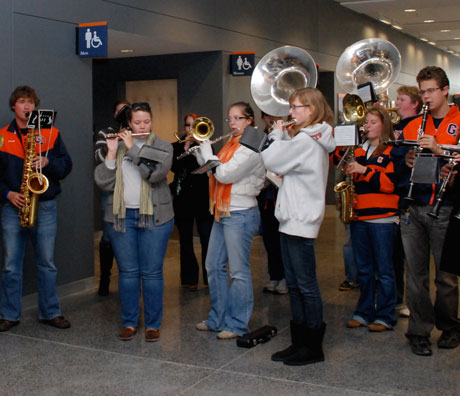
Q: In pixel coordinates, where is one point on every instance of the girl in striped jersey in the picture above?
(375, 227)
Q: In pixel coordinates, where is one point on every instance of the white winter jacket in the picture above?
(303, 161)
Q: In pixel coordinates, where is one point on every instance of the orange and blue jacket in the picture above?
(12, 160)
(375, 195)
(447, 133)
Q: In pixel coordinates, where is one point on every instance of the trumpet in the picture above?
(181, 136)
(191, 150)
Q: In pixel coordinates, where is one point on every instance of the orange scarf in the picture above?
(219, 193)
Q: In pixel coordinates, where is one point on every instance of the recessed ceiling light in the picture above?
(450, 51)
(445, 30)
(424, 39)
(456, 38)
(386, 21)
(410, 10)
(125, 51)
(397, 27)
(428, 20)
(431, 42)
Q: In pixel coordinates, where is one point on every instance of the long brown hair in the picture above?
(246, 109)
(321, 111)
(387, 127)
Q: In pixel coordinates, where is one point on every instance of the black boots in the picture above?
(306, 346)
(105, 260)
(296, 339)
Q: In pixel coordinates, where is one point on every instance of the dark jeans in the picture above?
(300, 272)
(271, 238)
(398, 262)
(373, 248)
(189, 270)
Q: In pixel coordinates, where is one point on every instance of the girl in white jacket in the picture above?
(303, 163)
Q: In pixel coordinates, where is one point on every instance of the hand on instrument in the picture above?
(39, 162)
(125, 135)
(429, 142)
(189, 140)
(410, 158)
(445, 171)
(206, 150)
(112, 147)
(354, 167)
(17, 199)
(279, 124)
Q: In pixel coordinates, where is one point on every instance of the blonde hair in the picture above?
(321, 111)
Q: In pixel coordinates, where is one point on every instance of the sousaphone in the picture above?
(278, 74)
(371, 60)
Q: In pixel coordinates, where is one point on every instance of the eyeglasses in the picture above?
(295, 107)
(429, 91)
(236, 118)
(140, 106)
(187, 125)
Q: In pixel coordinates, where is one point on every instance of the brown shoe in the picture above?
(5, 325)
(59, 322)
(127, 333)
(377, 327)
(152, 335)
(354, 324)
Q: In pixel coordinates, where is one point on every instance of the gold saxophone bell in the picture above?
(202, 128)
(37, 183)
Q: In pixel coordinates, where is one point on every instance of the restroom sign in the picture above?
(92, 39)
(242, 63)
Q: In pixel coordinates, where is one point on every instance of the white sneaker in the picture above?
(404, 312)
(281, 287)
(270, 286)
(226, 335)
(202, 326)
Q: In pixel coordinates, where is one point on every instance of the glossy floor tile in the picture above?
(88, 358)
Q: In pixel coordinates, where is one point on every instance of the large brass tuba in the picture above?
(32, 185)
(370, 60)
(278, 74)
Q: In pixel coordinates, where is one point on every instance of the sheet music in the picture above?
(346, 135)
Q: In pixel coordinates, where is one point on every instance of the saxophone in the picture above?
(346, 191)
(33, 184)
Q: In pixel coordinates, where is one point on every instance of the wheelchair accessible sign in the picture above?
(92, 39)
(242, 63)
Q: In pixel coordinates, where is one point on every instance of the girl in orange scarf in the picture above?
(233, 188)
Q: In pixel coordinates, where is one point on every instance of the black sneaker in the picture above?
(420, 345)
(449, 339)
(59, 322)
(347, 285)
(5, 325)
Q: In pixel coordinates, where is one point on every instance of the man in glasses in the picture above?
(105, 247)
(421, 232)
(54, 161)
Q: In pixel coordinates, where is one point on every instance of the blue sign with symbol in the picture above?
(242, 63)
(92, 39)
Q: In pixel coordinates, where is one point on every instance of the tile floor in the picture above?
(88, 358)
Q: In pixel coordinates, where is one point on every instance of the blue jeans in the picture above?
(230, 241)
(140, 254)
(300, 271)
(15, 237)
(373, 246)
(351, 270)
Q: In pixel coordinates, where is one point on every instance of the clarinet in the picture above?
(418, 150)
(435, 211)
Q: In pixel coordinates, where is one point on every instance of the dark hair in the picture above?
(413, 94)
(138, 106)
(24, 91)
(246, 109)
(119, 102)
(433, 73)
(387, 127)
